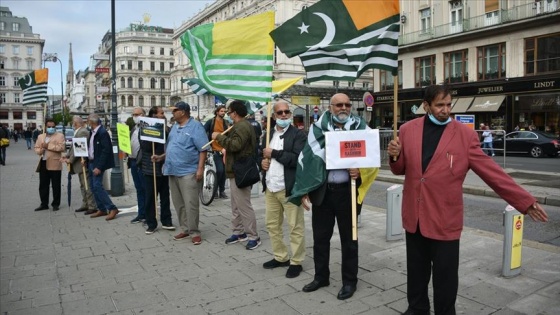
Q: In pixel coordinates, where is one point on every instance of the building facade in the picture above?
(20, 54)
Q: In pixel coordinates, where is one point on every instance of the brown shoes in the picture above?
(99, 213)
(112, 215)
(180, 236)
(89, 212)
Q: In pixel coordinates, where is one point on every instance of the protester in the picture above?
(28, 135)
(279, 164)
(184, 164)
(134, 163)
(5, 142)
(331, 198)
(100, 159)
(435, 153)
(218, 124)
(161, 187)
(88, 202)
(240, 142)
(50, 146)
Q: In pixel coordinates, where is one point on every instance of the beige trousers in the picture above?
(243, 218)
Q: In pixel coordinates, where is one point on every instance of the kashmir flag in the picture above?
(233, 58)
(341, 39)
(311, 170)
(34, 86)
(198, 88)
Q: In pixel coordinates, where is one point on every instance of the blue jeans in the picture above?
(220, 171)
(28, 140)
(101, 197)
(138, 179)
(488, 145)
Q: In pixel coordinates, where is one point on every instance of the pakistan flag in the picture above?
(340, 39)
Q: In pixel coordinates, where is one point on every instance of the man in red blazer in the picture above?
(435, 153)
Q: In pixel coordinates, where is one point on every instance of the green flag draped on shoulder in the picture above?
(340, 39)
(311, 171)
(233, 58)
(34, 86)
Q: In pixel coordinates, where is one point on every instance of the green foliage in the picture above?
(64, 120)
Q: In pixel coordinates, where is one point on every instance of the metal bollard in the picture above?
(394, 229)
(513, 242)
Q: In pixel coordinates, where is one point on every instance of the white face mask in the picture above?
(136, 119)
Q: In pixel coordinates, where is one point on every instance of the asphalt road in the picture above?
(527, 163)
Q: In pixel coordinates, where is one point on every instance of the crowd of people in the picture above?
(432, 219)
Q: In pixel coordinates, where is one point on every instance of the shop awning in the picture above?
(487, 103)
(461, 105)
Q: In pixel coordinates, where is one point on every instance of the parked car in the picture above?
(536, 143)
(68, 135)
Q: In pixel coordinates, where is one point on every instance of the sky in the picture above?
(83, 23)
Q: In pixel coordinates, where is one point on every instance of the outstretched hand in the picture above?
(537, 213)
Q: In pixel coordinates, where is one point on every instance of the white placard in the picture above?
(352, 149)
(80, 147)
(152, 129)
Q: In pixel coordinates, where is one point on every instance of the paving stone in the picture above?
(272, 307)
(227, 304)
(137, 298)
(384, 278)
(54, 309)
(536, 304)
(34, 282)
(91, 306)
(490, 294)
(383, 297)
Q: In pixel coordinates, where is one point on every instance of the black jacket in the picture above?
(102, 150)
(294, 141)
(209, 127)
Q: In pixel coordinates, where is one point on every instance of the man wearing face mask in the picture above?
(279, 164)
(435, 153)
(50, 146)
(134, 163)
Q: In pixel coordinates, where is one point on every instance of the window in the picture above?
(31, 114)
(15, 50)
(456, 66)
(123, 100)
(153, 101)
(129, 82)
(152, 83)
(162, 104)
(15, 63)
(336, 83)
(15, 27)
(30, 50)
(162, 66)
(162, 83)
(425, 20)
(125, 49)
(17, 100)
(2, 49)
(171, 66)
(365, 85)
(152, 66)
(2, 98)
(3, 114)
(2, 26)
(130, 101)
(491, 62)
(16, 80)
(2, 81)
(1, 63)
(491, 8)
(123, 63)
(30, 64)
(387, 81)
(122, 83)
(425, 71)
(17, 114)
(140, 83)
(129, 64)
(152, 50)
(542, 54)
(456, 8)
(162, 51)
(141, 101)
(139, 50)
(350, 84)
(171, 52)
(140, 65)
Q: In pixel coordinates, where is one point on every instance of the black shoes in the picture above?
(55, 208)
(314, 285)
(80, 210)
(41, 208)
(293, 271)
(275, 263)
(346, 292)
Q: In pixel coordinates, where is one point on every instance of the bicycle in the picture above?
(209, 181)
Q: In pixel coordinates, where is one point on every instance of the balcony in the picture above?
(491, 19)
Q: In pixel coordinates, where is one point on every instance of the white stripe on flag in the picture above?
(244, 62)
(235, 72)
(354, 51)
(331, 73)
(259, 84)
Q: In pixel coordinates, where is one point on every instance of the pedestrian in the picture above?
(279, 166)
(15, 135)
(134, 162)
(258, 134)
(88, 202)
(331, 198)
(184, 164)
(27, 134)
(100, 159)
(50, 146)
(4, 143)
(218, 124)
(161, 187)
(240, 142)
(487, 145)
(435, 152)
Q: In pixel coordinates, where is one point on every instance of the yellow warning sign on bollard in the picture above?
(516, 241)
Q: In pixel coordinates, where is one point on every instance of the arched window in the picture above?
(130, 102)
(141, 100)
(152, 83)
(122, 83)
(162, 101)
(162, 83)
(123, 100)
(153, 101)
(129, 82)
(140, 83)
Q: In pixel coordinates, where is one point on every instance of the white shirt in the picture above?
(275, 173)
(90, 149)
(487, 136)
(47, 139)
(135, 143)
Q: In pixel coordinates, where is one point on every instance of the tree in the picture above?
(63, 119)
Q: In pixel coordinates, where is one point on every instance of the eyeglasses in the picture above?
(285, 112)
(135, 115)
(340, 105)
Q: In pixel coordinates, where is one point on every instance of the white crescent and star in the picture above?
(329, 35)
(29, 80)
(303, 28)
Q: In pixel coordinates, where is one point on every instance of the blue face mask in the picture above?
(437, 122)
(283, 123)
(340, 121)
(51, 130)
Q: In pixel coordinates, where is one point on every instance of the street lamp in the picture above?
(117, 185)
(54, 58)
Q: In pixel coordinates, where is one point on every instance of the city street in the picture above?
(67, 263)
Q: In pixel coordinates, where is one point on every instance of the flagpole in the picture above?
(354, 211)
(268, 119)
(155, 183)
(223, 133)
(395, 100)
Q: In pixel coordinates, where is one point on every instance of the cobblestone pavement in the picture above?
(67, 263)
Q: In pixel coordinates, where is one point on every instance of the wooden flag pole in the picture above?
(44, 131)
(84, 173)
(223, 133)
(268, 119)
(354, 211)
(155, 187)
(395, 100)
